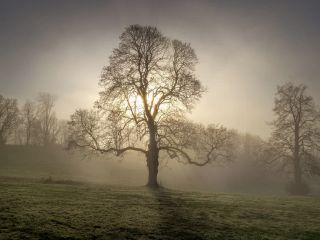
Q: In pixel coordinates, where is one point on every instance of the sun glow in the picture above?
(137, 104)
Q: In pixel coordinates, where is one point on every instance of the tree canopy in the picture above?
(147, 87)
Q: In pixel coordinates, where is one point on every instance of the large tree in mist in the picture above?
(147, 87)
(296, 136)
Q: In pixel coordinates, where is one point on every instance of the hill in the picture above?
(56, 162)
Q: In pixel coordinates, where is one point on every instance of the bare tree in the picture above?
(296, 135)
(8, 117)
(29, 116)
(47, 118)
(147, 86)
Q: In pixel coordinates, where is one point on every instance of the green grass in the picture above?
(31, 209)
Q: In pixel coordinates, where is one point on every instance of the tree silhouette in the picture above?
(147, 87)
(296, 136)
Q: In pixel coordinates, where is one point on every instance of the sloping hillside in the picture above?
(54, 161)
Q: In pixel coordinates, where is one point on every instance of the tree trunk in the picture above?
(152, 158)
(153, 163)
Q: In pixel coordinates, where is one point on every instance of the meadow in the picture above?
(57, 208)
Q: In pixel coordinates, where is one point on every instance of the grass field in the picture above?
(33, 209)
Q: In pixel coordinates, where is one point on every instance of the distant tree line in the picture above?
(35, 123)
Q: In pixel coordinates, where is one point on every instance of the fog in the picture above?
(245, 50)
(239, 176)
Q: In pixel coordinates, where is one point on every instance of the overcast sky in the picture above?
(245, 49)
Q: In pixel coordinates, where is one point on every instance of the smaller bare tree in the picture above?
(296, 136)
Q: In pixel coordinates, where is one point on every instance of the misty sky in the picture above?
(245, 49)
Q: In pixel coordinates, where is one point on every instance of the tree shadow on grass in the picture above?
(179, 219)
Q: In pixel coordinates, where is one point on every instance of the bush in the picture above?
(297, 188)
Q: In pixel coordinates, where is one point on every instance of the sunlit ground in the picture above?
(33, 209)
